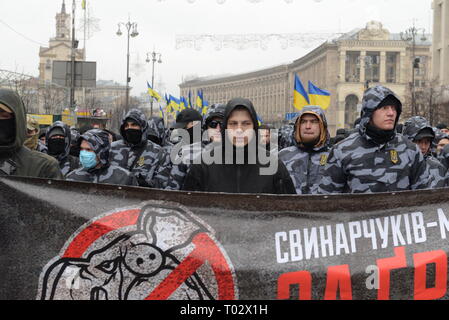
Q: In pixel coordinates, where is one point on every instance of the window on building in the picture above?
(352, 66)
(372, 66)
(392, 64)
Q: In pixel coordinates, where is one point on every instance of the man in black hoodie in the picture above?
(241, 167)
(15, 159)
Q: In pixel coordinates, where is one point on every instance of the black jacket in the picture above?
(239, 178)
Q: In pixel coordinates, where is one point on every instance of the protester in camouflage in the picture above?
(376, 158)
(149, 163)
(418, 130)
(95, 147)
(305, 161)
(59, 139)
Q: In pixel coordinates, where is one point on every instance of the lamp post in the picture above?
(153, 58)
(410, 35)
(132, 32)
(72, 60)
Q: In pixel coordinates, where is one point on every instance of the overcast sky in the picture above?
(162, 22)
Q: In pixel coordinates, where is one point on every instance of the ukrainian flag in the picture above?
(205, 107)
(184, 104)
(259, 119)
(300, 96)
(175, 103)
(319, 97)
(161, 112)
(153, 93)
(199, 100)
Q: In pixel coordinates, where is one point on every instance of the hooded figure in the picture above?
(16, 159)
(149, 163)
(189, 154)
(305, 162)
(418, 130)
(95, 147)
(59, 140)
(376, 158)
(239, 168)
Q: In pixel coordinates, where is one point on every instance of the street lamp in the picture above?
(154, 58)
(410, 35)
(132, 32)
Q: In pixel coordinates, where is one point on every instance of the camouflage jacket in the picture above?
(149, 163)
(183, 161)
(105, 175)
(359, 165)
(437, 171)
(306, 166)
(69, 164)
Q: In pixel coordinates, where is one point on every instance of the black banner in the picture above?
(64, 240)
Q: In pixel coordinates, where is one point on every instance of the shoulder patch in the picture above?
(394, 156)
(323, 160)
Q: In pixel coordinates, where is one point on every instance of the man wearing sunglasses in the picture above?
(187, 155)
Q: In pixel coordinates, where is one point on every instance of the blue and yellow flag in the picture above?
(161, 112)
(205, 107)
(259, 119)
(83, 4)
(175, 103)
(319, 97)
(184, 104)
(153, 93)
(199, 100)
(300, 96)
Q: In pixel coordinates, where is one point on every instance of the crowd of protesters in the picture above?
(229, 151)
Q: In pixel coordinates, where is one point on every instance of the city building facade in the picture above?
(345, 67)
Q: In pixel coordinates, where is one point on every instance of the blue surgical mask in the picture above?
(88, 159)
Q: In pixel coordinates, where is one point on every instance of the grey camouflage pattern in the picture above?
(149, 162)
(187, 156)
(306, 166)
(67, 163)
(107, 174)
(359, 165)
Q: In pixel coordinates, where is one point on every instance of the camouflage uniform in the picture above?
(438, 172)
(157, 131)
(360, 165)
(286, 136)
(67, 163)
(306, 165)
(149, 163)
(188, 153)
(106, 174)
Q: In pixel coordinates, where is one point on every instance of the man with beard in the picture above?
(240, 168)
(305, 161)
(149, 163)
(376, 158)
(59, 140)
(16, 159)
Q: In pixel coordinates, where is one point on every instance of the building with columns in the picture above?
(440, 46)
(345, 66)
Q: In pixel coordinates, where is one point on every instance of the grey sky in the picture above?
(161, 21)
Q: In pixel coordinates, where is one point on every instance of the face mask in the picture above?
(56, 146)
(31, 142)
(7, 131)
(133, 136)
(88, 159)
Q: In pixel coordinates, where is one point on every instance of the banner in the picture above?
(76, 241)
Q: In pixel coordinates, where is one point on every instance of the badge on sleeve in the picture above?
(394, 156)
(323, 160)
(141, 162)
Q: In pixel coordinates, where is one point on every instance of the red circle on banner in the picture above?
(206, 250)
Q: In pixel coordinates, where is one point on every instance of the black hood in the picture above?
(415, 125)
(12, 100)
(240, 102)
(138, 117)
(67, 137)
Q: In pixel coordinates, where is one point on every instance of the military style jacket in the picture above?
(437, 171)
(359, 165)
(104, 175)
(17, 160)
(149, 163)
(306, 165)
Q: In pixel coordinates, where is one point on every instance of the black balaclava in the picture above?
(7, 131)
(382, 136)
